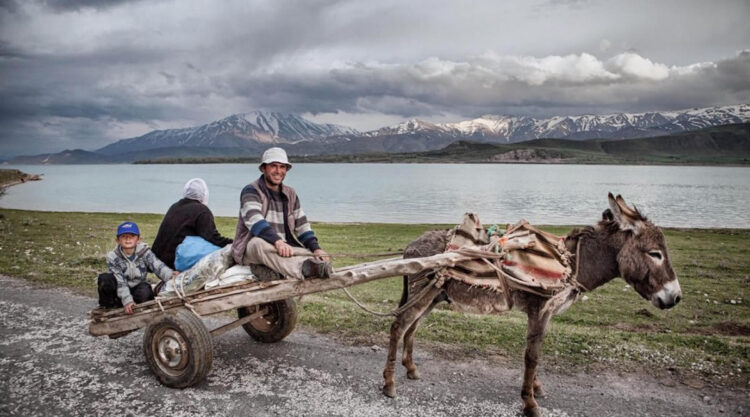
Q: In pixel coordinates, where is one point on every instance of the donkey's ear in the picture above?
(624, 216)
(607, 215)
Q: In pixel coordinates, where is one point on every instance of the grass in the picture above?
(707, 336)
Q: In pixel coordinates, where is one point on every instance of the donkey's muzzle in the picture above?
(668, 296)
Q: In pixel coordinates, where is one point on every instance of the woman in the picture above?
(188, 217)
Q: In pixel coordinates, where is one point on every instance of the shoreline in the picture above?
(724, 229)
(11, 177)
(315, 160)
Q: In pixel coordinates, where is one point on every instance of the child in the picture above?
(130, 261)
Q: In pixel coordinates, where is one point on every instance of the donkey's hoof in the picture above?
(532, 412)
(413, 374)
(389, 391)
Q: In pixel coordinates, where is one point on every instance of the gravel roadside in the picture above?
(50, 366)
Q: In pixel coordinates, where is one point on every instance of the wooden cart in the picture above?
(178, 346)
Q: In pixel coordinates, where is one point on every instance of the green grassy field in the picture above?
(705, 339)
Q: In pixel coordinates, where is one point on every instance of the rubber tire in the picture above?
(188, 331)
(274, 326)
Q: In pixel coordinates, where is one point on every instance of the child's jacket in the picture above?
(131, 273)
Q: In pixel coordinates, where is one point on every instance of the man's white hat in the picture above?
(275, 155)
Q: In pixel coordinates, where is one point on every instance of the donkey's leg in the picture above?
(398, 328)
(407, 358)
(534, 337)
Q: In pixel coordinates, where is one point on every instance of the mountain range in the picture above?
(512, 129)
(250, 133)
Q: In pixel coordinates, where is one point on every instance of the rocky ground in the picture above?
(51, 366)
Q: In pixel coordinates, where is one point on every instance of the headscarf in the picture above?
(196, 189)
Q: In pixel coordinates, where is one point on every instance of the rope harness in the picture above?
(437, 282)
(179, 289)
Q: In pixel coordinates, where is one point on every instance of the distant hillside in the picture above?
(725, 141)
(68, 156)
(80, 157)
(717, 145)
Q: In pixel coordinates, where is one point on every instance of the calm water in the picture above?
(411, 193)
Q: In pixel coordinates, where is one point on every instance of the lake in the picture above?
(675, 196)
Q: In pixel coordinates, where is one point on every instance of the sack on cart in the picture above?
(208, 268)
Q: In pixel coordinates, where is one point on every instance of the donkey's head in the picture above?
(643, 259)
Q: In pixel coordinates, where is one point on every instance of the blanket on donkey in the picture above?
(532, 260)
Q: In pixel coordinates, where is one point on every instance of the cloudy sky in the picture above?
(84, 73)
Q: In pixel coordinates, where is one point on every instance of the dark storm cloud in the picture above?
(67, 87)
(8, 51)
(494, 84)
(89, 72)
(10, 6)
(75, 5)
(734, 73)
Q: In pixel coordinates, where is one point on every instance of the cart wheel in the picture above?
(178, 349)
(274, 325)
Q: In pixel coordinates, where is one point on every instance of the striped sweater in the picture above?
(271, 216)
(131, 273)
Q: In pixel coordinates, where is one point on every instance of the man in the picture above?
(272, 228)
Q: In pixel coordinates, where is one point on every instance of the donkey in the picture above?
(624, 243)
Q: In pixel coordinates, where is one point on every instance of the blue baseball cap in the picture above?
(128, 227)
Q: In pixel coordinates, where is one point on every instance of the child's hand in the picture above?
(129, 308)
(175, 273)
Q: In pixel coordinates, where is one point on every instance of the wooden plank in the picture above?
(239, 322)
(132, 322)
(280, 290)
(368, 264)
(172, 302)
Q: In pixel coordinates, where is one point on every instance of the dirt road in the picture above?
(50, 366)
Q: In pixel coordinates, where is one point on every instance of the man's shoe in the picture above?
(264, 274)
(315, 268)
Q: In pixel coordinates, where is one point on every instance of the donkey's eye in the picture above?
(655, 254)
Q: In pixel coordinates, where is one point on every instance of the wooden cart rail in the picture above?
(253, 293)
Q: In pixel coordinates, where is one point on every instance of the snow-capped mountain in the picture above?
(412, 126)
(245, 130)
(249, 134)
(509, 129)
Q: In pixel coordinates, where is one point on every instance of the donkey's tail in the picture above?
(418, 281)
(404, 292)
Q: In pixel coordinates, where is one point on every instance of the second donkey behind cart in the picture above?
(272, 228)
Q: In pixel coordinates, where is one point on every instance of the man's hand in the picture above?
(322, 255)
(283, 248)
(129, 308)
